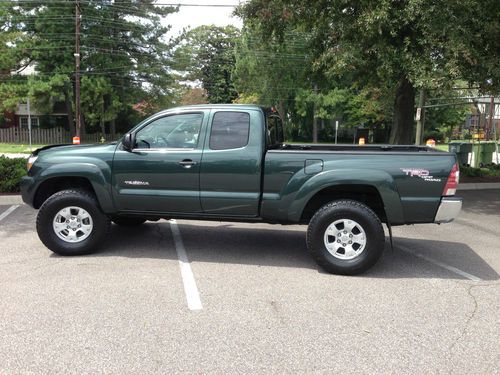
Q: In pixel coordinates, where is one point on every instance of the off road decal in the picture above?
(424, 174)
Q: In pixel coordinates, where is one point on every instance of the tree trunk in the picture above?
(103, 129)
(83, 130)
(113, 129)
(69, 110)
(315, 128)
(403, 119)
(282, 110)
(315, 119)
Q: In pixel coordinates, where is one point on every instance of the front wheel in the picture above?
(345, 237)
(70, 222)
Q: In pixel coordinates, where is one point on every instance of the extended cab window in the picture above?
(175, 131)
(229, 130)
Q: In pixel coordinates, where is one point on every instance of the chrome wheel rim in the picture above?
(72, 224)
(345, 239)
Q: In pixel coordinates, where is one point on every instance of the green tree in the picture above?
(122, 40)
(206, 54)
(100, 103)
(280, 73)
(396, 46)
(273, 73)
(448, 109)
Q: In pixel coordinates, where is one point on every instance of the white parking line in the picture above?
(8, 211)
(440, 264)
(190, 288)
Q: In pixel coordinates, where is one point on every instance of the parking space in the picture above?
(430, 305)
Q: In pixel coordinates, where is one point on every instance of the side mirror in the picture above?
(128, 141)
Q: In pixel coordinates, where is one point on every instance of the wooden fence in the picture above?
(49, 136)
(97, 138)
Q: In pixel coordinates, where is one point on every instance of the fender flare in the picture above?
(97, 172)
(380, 180)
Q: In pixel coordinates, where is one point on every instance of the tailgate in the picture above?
(420, 180)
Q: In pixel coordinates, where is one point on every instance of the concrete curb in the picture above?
(10, 199)
(479, 186)
(16, 156)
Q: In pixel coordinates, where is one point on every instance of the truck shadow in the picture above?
(278, 246)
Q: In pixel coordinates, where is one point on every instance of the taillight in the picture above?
(452, 183)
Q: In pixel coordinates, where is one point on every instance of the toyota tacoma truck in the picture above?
(230, 163)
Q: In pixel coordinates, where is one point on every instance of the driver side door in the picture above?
(161, 173)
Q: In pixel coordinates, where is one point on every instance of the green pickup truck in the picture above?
(230, 162)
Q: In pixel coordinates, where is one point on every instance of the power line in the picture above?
(123, 6)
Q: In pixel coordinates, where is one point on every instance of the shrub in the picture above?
(434, 134)
(493, 170)
(11, 171)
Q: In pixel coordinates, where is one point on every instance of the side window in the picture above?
(229, 130)
(176, 131)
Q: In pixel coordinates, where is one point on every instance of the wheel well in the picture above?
(53, 185)
(366, 194)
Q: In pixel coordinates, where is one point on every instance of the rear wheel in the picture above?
(70, 222)
(127, 221)
(345, 237)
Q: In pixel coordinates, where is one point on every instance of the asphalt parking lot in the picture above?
(215, 297)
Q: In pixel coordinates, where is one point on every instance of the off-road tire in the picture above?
(350, 210)
(67, 198)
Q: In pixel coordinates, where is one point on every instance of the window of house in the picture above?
(229, 130)
(23, 122)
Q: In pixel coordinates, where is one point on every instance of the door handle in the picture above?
(187, 163)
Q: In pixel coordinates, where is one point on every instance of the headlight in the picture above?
(31, 161)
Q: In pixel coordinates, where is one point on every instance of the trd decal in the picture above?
(424, 174)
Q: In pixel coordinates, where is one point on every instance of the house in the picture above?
(57, 117)
(18, 118)
(482, 120)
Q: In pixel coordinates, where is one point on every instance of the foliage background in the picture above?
(361, 63)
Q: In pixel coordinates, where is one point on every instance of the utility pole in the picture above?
(77, 68)
(29, 119)
(336, 130)
(315, 119)
(493, 126)
(420, 117)
(492, 111)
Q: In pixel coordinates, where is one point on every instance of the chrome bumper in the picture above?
(448, 210)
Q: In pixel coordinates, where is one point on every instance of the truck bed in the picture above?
(410, 179)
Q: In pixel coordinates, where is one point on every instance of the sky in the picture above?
(202, 15)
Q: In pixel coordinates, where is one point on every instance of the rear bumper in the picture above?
(448, 210)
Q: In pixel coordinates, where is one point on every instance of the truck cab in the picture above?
(204, 160)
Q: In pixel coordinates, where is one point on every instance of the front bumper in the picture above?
(28, 189)
(448, 210)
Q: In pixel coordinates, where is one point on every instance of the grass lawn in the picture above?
(12, 148)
